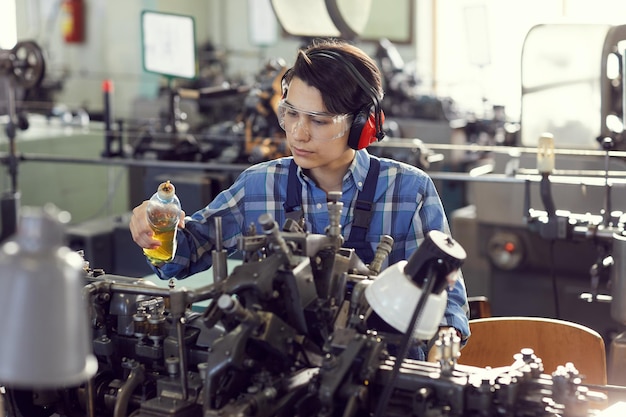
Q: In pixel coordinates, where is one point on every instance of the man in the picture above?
(330, 112)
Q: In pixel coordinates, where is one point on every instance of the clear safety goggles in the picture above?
(320, 126)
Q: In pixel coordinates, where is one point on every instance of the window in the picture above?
(479, 44)
(8, 29)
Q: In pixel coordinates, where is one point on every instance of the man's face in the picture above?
(316, 138)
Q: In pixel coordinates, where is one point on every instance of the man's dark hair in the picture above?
(340, 89)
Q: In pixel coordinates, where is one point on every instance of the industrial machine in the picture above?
(291, 331)
(558, 266)
(249, 133)
(21, 68)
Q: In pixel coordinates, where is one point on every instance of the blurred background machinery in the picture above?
(543, 268)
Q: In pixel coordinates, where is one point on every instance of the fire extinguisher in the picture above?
(73, 20)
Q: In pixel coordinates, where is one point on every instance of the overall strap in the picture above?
(364, 204)
(362, 209)
(294, 194)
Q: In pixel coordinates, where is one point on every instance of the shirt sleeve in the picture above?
(457, 309)
(431, 216)
(196, 241)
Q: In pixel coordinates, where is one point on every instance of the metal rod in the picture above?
(180, 335)
(559, 176)
(11, 134)
(192, 296)
(607, 193)
(576, 172)
(406, 143)
(127, 162)
(91, 398)
(140, 289)
(219, 254)
(520, 178)
(213, 166)
(612, 388)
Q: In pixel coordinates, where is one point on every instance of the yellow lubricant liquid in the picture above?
(166, 251)
(163, 213)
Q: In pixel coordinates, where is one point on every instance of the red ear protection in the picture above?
(364, 130)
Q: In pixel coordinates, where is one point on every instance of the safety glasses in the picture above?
(320, 126)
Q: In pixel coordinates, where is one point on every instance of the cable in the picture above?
(405, 344)
(555, 293)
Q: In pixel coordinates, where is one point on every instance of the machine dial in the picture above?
(505, 250)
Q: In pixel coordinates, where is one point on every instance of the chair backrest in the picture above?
(495, 340)
(480, 307)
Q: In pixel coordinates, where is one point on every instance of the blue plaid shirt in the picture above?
(406, 207)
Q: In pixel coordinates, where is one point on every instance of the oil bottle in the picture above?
(163, 215)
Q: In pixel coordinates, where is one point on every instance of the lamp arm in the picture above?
(405, 344)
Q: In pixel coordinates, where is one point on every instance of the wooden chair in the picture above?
(495, 340)
(480, 307)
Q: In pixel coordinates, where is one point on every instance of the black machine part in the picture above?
(24, 63)
(270, 344)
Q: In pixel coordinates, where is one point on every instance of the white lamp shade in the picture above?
(394, 296)
(44, 334)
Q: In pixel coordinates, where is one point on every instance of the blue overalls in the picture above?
(362, 209)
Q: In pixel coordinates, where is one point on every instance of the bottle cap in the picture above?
(166, 190)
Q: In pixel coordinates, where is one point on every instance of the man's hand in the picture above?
(140, 228)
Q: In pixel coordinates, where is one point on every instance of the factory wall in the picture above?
(112, 50)
(112, 46)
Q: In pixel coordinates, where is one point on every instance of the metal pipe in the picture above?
(109, 286)
(139, 289)
(127, 162)
(407, 143)
(91, 398)
(585, 176)
(576, 173)
(125, 392)
(219, 254)
(180, 335)
(388, 143)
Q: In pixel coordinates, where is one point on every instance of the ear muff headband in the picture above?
(367, 126)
